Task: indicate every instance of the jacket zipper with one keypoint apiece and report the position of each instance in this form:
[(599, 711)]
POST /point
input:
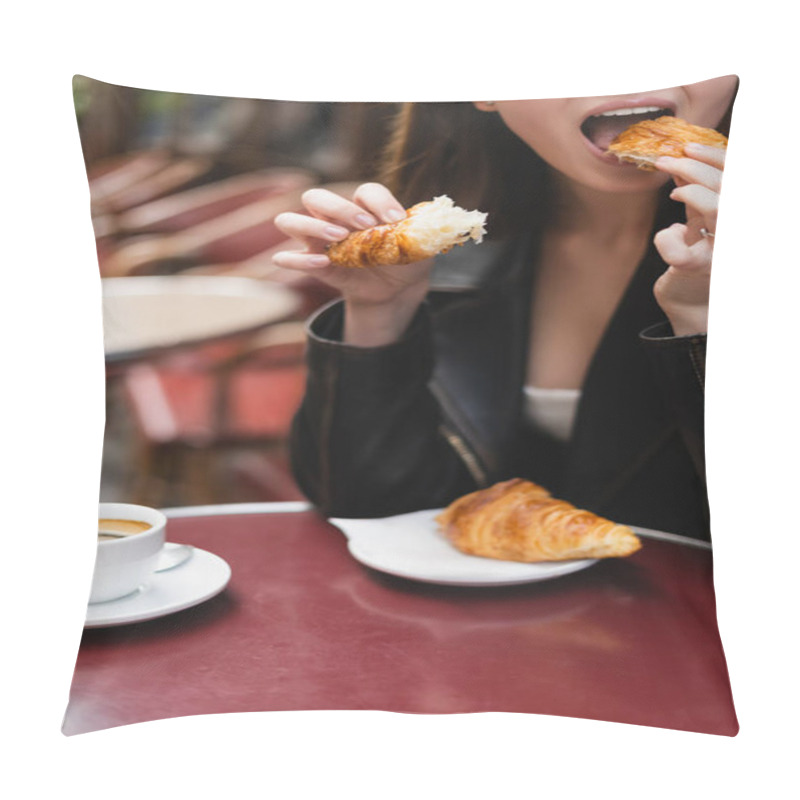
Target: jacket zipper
[(466, 455), (456, 440)]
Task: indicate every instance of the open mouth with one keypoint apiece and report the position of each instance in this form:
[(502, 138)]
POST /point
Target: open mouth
[(602, 129)]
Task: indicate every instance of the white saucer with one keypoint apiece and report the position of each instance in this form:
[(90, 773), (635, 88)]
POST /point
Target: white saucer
[(198, 579), (411, 546)]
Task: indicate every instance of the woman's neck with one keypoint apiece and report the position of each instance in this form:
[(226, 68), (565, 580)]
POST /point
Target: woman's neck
[(590, 250)]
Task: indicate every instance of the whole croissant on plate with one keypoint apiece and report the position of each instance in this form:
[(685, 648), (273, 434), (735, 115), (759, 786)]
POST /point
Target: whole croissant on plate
[(428, 229), (644, 142), (517, 520)]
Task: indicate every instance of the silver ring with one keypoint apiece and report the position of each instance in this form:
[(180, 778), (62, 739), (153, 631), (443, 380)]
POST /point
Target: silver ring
[(706, 234)]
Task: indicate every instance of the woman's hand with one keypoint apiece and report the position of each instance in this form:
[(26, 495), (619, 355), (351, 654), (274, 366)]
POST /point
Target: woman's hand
[(682, 291), (379, 301)]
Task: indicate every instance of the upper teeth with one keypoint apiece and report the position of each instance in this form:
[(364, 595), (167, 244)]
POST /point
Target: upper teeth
[(621, 112)]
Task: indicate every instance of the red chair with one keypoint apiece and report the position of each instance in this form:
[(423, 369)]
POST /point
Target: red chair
[(118, 185), (191, 207), (175, 174), (199, 427), (226, 239), (116, 173)]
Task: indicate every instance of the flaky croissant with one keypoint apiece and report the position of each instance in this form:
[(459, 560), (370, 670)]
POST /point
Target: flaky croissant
[(644, 142), (517, 520), (428, 229)]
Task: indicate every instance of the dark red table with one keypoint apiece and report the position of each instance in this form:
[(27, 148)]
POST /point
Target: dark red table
[(302, 625)]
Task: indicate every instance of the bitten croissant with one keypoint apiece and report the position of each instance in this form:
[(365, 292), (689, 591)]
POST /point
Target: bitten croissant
[(644, 142), (428, 229), (517, 520)]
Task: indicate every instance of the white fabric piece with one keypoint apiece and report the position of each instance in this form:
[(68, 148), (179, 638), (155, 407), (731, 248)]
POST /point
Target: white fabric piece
[(552, 410)]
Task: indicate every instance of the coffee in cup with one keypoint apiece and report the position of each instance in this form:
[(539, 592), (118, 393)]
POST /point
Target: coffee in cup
[(129, 542), (116, 528)]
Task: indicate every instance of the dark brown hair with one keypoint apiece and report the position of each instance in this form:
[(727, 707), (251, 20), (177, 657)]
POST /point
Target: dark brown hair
[(469, 155)]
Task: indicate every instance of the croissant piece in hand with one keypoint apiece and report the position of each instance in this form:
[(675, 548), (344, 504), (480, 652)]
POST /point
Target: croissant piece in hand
[(428, 229), (644, 142), (517, 520)]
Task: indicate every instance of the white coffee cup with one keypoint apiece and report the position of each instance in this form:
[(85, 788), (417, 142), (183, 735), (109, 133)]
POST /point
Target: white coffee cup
[(124, 565)]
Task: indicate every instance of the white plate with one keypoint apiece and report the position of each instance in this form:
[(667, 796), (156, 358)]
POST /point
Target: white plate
[(411, 546), (198, 579)]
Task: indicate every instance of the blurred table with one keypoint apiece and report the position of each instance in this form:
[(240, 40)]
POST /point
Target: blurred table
[(146, 317), (302, 625)]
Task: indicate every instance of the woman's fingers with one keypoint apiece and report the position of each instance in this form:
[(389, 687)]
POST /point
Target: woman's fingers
[(316, 232), (714, 156), (682, 291), (380, 201), (690, 171), (332, 207), (372, 204), (698, 179), (700, 200), (300, 260), (679, 251)]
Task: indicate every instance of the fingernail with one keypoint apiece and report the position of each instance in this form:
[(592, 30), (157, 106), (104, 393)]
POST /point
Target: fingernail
[(366, 220), (335, 232), (319, 261), (395, 215)]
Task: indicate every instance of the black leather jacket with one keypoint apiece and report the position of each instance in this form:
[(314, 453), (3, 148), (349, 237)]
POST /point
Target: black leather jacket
[(417, 423)]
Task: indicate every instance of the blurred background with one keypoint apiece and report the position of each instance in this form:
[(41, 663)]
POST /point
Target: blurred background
[(203, 334)]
